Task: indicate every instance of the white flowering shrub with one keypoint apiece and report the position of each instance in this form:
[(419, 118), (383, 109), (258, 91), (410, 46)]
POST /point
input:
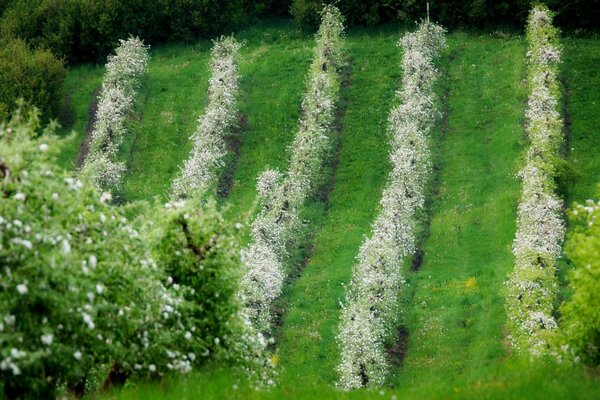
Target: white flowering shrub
[(580, 314), (532, 287), (367, 317), (77, 282), (282, 196), (121, 80), (82, 289), (202, 169)]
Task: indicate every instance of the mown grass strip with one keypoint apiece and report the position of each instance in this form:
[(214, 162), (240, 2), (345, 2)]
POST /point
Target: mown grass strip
[(308, 351), (456, 315)]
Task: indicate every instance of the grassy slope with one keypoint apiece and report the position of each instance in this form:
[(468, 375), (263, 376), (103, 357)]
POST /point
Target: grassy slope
[(455, 321), (456, 312), (308, 351), (581, 59), (274, 65), (79, 87), (169, 104)]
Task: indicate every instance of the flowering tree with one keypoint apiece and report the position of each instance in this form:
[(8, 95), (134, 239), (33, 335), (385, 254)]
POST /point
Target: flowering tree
[(367, 316), (202, 169), (78, 286), (82, 288), (123, 72), (532, 286), (283, 195)]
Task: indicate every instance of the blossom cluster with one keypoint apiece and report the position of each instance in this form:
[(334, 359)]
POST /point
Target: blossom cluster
[(121, 80), (201, 170), (367, 316), (532, 287), (283, 195)]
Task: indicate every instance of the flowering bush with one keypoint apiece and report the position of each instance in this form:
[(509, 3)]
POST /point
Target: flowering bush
[(199, 253), (81, 289), (580, 314), (275, 228), (367, 317), (123, 72), (532, 286), (201, 170), (77, 279)]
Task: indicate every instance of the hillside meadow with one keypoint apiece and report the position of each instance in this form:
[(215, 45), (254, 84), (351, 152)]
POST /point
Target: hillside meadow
[(452, 341)]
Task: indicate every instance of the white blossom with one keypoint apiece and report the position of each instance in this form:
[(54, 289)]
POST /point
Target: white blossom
[(87, 319), (47, 339), (22, 289), (283, 195)]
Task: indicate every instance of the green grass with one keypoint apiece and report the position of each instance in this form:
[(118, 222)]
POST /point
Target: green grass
[(79, 88), (274, 65), (169, 104), (454, 306), (308, 351), (455, 302), (516, 381), (580, 70)]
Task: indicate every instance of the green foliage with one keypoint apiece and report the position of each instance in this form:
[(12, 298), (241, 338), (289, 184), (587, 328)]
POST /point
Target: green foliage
[(80, 291), (87, 30), (580, 321), (305, 13), (33, 75), (452, 13), (69, 262), (199, 251)]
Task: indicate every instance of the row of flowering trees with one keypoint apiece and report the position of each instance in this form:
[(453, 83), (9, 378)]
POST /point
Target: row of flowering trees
[(532, 287), (282, 196), (367, 319), (121, 80), (201, 170)]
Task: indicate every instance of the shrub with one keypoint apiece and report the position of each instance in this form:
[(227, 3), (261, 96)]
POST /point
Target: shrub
[(83, 289), (78, 285), (33, 75), (452, 13), (198, 251), (580, 314), (87, 30)]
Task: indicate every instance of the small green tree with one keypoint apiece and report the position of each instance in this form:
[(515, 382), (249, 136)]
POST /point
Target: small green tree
[(33, 75), (580, 322)]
